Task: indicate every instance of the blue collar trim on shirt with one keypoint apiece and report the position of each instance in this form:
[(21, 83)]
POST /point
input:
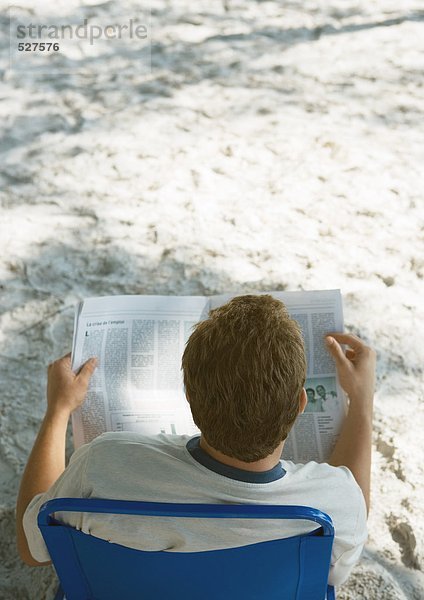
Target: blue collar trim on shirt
[(193, 446)]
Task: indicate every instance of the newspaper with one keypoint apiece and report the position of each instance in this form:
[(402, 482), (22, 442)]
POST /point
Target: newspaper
[(138, 385)]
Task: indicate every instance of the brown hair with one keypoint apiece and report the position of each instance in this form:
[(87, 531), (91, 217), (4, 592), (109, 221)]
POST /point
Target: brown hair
[(244, 368)]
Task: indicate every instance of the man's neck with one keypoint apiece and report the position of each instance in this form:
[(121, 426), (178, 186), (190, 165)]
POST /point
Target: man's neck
[(264, 464)]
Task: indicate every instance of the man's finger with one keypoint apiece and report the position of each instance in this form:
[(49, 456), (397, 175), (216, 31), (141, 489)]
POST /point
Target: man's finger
[(87, 369), (65, 362), (348, 338), (335, 349)]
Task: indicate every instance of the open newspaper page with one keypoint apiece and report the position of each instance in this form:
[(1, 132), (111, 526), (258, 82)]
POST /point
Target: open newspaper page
[(139, 341), (316, 431)]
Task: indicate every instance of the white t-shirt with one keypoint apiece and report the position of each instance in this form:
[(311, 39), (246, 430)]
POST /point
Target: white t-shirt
[(173, 468)]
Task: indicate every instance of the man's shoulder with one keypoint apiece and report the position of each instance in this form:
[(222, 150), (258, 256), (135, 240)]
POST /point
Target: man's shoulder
[(333, 490), (323, 472), (130, 437), (122, 460), (116, 444)]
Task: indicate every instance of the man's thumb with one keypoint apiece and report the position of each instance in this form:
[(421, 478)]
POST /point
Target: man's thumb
[(87, 369), (334, 348)]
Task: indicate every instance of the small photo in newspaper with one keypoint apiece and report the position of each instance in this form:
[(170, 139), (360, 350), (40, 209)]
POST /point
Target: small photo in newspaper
[(322, 395)]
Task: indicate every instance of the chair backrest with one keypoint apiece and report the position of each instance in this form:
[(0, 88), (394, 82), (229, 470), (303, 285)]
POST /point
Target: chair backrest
[(294, 568)]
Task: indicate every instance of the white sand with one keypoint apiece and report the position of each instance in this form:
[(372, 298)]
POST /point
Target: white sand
[(273, 146)]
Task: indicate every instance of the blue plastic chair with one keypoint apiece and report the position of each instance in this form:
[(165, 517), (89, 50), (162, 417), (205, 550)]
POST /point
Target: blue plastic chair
[(294, 568)]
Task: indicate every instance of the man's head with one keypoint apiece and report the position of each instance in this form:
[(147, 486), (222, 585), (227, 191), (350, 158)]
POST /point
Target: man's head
[(244, 370), (310, 393), (321, 391)]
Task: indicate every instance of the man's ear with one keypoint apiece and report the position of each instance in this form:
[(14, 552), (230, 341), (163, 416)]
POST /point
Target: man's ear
[(303, 401)]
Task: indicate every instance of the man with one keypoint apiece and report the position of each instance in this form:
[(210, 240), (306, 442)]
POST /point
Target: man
[(313, 405), (326, 398), (244, 370)]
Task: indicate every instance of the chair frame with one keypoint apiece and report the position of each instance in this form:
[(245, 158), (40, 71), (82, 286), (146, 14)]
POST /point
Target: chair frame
[(52, 529)]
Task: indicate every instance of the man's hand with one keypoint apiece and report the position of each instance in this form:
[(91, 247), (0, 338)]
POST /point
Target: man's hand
[(65, 390), (356, 368)]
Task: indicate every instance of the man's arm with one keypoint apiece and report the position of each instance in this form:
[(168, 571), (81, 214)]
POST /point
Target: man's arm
[(65, 392), (356, 371)]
